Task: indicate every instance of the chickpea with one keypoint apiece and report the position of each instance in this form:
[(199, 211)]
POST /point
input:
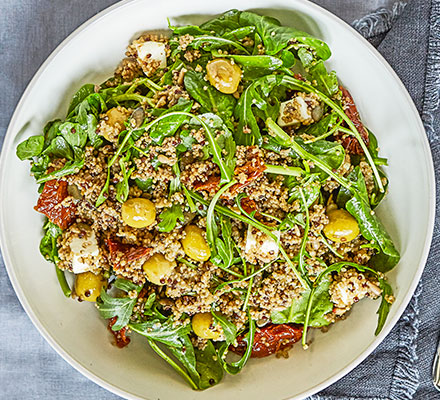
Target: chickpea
[(194, 244), (88, 286), (138, 213), (158, 268), (342, 226), (224, 75), (203, 326)]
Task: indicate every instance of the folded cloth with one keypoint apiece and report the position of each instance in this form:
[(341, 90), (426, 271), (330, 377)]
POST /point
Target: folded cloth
[(407, 33)]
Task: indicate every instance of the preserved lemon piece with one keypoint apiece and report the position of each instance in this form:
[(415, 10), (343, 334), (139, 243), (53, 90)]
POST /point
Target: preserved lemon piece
[(204, 328), (342, 226), (224, 75), (194, 244), (138, 213), (158, 268), (88, 286)]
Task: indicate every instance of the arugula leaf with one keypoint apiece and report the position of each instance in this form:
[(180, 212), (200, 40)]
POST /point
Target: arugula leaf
[(217, 147), (208, 43), (262, 62), (235, 367), (320, 128), (58, 147), (209, 97), (71, 167), (144, 185), (164, 332), (373, 230), (225, 246), (229, 329), (40, 166), (31, 147), (186, 141), (248, 131), (358, 180), (230, 20), (291, 220), (182, 372), (123, 188), (169, 218), (296, 313), (48, 244), (80, 95), (104, 191), (122, 308), (208, 366), (311, 188), (175, 184), (276, 37), (330, 153), (50, 131), (168, 126), (74, 134), (317, 73), (384, 308), (186, 355), (92, 123)]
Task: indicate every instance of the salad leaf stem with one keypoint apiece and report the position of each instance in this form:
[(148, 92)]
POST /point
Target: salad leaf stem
[(329, 246), (302, 250), (133, 96), (337, 127), (186, 262), (210, 221), (170, 361), (63, 282), (283, 170)]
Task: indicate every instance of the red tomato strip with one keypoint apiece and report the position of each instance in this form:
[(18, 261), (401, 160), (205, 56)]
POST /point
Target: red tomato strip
[(270, 339), (349, 142), (49, 204), (121, 340)]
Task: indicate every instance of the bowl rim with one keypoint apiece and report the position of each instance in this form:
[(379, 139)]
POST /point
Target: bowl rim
[(336, 376)]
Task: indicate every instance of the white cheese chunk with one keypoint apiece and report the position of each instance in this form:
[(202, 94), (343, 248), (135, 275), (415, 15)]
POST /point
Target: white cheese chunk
[(152, 51), (261, 246), (294, 112), (85, 251)]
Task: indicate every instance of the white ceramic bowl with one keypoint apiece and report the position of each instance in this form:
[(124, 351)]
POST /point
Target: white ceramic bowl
[(76, 331)]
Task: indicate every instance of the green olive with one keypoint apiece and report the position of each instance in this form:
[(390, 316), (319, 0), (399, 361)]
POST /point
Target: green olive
[(342, 226), (224, 75), (115, 119), (88, 286), (203, 327), (158, 268), (138, 213), (194, 244)]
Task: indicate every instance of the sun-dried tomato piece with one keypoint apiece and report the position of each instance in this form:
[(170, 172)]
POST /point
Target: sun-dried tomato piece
[(246, 174), (128, 252), (349, 142), (121, 340), (270, 339), (250, 171), (50, 204), (211, 184)]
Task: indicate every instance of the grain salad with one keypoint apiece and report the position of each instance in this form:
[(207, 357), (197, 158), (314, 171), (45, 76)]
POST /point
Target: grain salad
[(216, 195)]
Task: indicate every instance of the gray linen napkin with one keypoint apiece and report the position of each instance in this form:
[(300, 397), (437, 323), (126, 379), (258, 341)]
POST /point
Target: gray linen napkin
[(408, 35)]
